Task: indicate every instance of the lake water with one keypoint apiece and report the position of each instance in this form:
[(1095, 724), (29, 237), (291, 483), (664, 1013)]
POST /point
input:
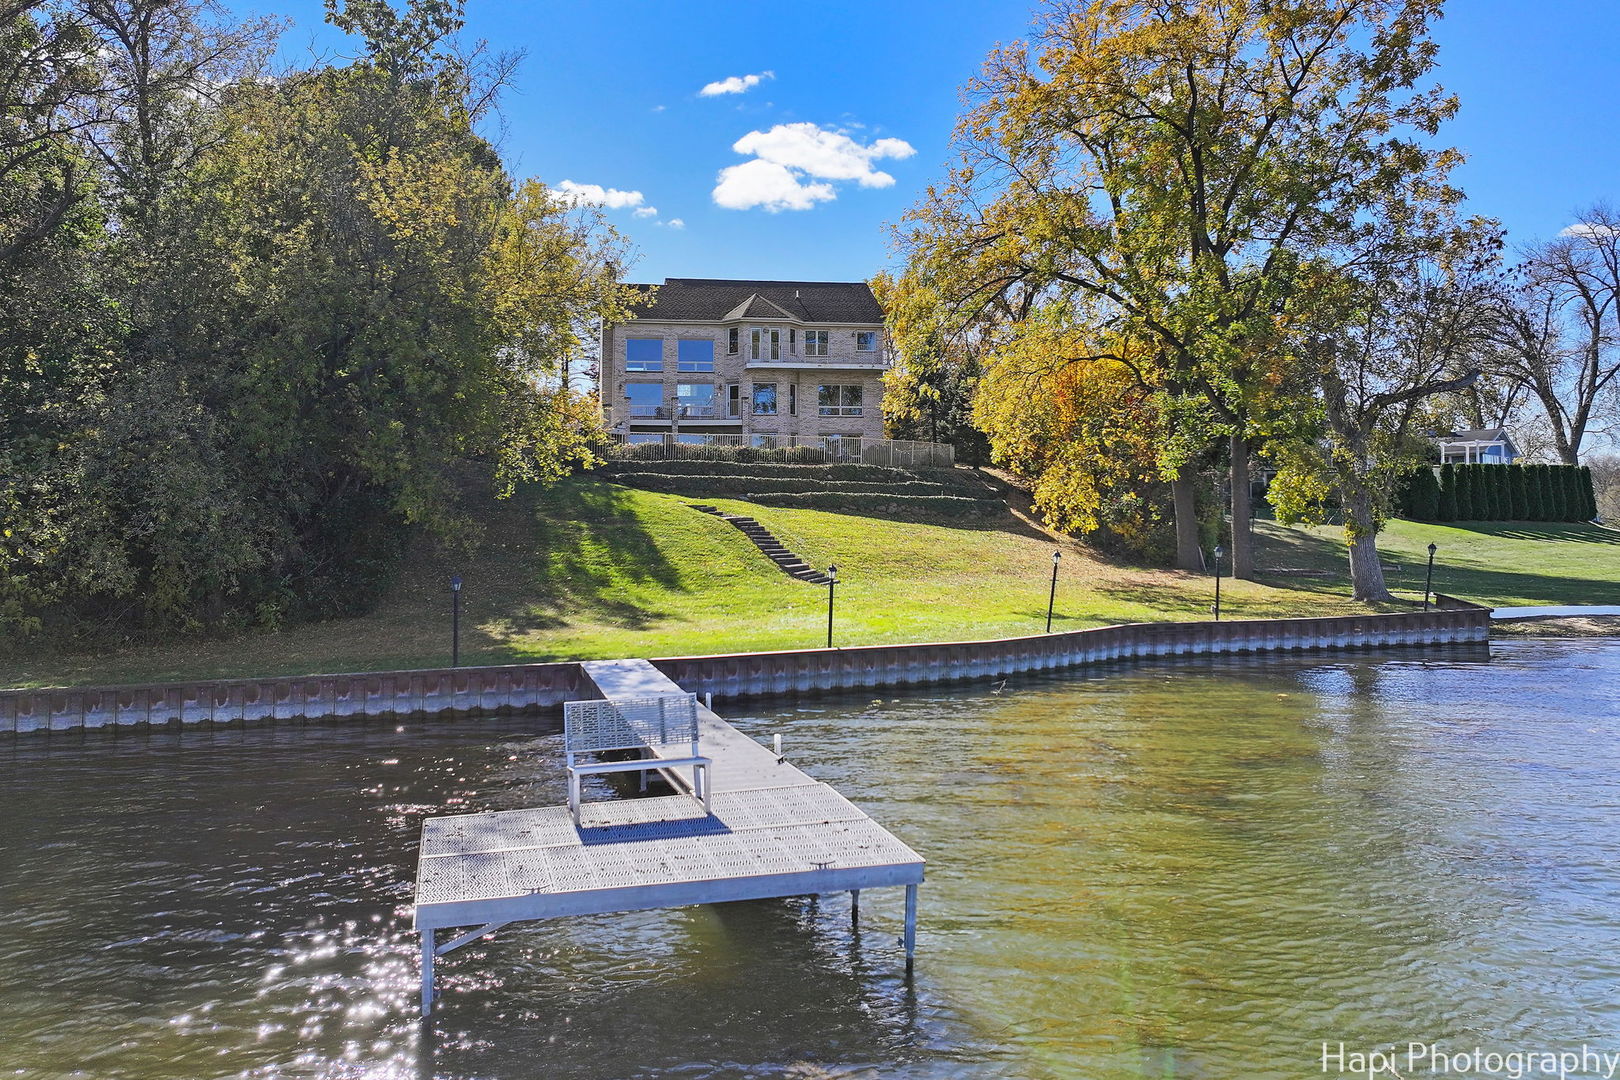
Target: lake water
[(1179, 869)]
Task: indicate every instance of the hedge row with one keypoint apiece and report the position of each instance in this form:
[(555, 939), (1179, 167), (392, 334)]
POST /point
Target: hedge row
[(732, 468), (685, 452), (1499, 493), (744, 486), (877, 505)]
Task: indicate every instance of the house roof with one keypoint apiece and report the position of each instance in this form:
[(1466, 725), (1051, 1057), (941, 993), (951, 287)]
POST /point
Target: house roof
[(1481, 435), (724, 299)]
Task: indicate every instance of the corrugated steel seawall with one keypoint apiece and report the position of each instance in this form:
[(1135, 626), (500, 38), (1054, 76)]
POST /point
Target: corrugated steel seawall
[(523, 687)]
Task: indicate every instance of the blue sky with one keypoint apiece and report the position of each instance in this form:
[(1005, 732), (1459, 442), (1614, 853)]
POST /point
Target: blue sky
[(610, 96)]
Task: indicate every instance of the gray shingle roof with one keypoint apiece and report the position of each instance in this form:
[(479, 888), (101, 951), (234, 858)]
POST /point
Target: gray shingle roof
[(717, 299)]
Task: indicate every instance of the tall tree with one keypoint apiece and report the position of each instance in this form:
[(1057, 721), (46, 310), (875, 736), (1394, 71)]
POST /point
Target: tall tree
[(1558, 330), (1175, 163), (1382, 340)]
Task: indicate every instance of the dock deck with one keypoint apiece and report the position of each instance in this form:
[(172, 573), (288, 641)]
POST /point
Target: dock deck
[(773, 831)]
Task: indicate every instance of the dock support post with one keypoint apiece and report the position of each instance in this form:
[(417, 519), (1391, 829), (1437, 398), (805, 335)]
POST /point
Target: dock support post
[(854, 907), (427, 972), (911, 924)]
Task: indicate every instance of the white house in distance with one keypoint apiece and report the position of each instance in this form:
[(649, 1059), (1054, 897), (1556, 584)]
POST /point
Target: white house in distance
[(775, 363), (1478, 446)]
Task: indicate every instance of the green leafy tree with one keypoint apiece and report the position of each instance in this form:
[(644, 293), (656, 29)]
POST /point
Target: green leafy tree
[(1171, 167)]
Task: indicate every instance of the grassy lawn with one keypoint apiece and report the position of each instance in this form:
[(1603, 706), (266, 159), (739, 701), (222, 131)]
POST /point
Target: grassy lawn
[(1499, 563), (588, 569)]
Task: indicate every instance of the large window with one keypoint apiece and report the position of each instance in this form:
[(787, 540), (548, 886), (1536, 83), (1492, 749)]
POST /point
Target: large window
[(839, 400), (644, 438), (765, 343), (866, 341), (646, 398), (644, 354), (695, 399), (694, 355), (764, 399), (815, 343)]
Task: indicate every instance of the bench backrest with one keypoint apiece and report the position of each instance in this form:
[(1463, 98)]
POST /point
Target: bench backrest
[(630, 723)]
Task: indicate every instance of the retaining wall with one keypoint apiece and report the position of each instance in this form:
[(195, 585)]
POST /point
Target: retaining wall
[(521, 687), (746, 674)]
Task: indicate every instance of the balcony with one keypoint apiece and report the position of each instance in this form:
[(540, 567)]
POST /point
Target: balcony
[(685, 414), (838, 410), (859, 362)]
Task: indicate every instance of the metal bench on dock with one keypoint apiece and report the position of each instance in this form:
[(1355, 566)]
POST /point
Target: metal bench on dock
[(762, 829), (646, 725)]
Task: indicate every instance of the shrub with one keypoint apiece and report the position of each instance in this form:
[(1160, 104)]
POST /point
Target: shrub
[(1518, 494), (1467, 510), (1589, 509), (1535, 496), (1446, 507), (1419, 497), (775, 469), (876, 505)]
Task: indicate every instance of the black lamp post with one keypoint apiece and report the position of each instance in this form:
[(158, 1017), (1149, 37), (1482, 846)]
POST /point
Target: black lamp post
[(1051, 601), (1428, 578), (832, 584), (1220, 553), (455, 621)]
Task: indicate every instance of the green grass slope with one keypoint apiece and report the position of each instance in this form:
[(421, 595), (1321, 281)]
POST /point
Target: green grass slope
[(590, 569)]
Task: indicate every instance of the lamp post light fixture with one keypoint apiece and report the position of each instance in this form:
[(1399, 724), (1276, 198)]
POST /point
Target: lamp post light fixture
[(832, 584), (1220, 553), (455, 621), (1428, 578), (1051, 601)]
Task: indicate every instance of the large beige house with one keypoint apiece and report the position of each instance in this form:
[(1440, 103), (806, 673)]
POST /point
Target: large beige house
[(773, 363)]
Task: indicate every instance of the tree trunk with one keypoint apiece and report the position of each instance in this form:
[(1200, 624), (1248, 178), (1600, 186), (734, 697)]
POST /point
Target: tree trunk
[(1184, 492), (1366, 571), (1242, 512)]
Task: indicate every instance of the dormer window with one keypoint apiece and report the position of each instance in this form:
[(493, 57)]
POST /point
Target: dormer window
[(866, 341)]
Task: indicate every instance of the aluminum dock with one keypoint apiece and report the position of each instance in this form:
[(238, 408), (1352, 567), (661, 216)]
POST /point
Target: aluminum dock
[(769, 830)]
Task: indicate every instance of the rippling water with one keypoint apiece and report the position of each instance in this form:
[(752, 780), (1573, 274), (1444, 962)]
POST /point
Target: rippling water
[(1168, 870)]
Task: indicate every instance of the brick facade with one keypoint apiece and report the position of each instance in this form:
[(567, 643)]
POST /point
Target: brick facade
[(796, 375)]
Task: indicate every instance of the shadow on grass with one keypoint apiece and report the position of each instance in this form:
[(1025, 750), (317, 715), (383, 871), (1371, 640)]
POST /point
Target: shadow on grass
[(1280, 548), (588, 545)]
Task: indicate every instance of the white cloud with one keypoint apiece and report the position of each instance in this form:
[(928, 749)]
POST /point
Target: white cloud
[(659, 108), (1588, 231), (787, 153), (675, 223), (597, 195), (646, 211), (768, 185), (736, 84)]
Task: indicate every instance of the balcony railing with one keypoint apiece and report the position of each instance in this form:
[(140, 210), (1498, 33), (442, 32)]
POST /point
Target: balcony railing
[(839, 410), (678, 412)]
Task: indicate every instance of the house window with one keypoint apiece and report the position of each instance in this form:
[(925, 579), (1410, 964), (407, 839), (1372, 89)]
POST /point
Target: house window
[(765, 343), (764, 442), (646, 399), (695, 399), (793, 340), (734, 400), (694, 355), (866, 341), (644, 354), (839, 400), (765, 399), (815, 343), (793, 399), (642, 438), (731, 340)]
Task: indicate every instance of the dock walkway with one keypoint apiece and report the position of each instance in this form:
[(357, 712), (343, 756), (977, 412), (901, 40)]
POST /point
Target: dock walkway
[(772, 831)]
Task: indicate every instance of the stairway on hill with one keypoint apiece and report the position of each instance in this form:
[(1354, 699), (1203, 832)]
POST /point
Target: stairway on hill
[(789, 563)]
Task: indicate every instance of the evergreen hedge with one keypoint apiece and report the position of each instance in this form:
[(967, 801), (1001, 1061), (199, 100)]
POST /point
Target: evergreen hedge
[(1498, 493), (1448, 494)]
